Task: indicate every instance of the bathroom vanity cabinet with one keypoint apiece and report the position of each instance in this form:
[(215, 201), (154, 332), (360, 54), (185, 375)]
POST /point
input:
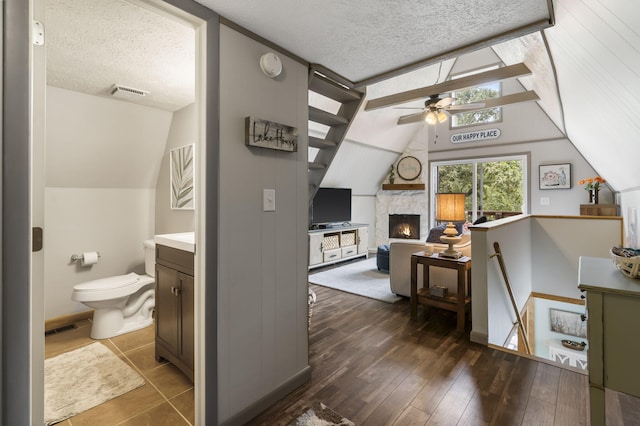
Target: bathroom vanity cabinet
[(175, 307)]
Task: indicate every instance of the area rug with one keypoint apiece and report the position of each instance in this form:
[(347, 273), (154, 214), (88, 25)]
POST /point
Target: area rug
[(81, 379), (321, 415), (359, 277)]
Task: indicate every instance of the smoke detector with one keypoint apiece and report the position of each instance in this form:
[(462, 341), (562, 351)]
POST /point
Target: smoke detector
[(124, 92), (270, 64)]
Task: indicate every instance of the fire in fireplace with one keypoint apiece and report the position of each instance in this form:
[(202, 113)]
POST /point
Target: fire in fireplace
[(405, 226)]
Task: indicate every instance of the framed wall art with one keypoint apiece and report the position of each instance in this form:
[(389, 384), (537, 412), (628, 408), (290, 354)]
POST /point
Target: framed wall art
[(566, 322), (555, 176), (181, 163)]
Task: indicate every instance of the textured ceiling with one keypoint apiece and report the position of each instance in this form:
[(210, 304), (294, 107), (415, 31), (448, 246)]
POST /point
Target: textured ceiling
[(363, 39), (94, 44)]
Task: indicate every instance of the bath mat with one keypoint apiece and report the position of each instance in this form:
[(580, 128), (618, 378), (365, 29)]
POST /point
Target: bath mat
[(81, 379), (321, 415)]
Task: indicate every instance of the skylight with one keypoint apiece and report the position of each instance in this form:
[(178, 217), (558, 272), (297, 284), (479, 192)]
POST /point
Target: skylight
[(476, 94)]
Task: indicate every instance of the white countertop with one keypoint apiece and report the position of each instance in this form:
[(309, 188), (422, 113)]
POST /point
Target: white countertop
[(181, 241)]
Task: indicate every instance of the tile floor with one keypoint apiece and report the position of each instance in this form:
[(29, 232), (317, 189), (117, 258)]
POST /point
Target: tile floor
[(165, 399)]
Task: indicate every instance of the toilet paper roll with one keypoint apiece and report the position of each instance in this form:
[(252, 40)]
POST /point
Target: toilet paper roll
[(89, 258)]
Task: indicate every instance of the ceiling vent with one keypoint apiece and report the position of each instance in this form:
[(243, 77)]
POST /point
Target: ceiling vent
[(124, 92)]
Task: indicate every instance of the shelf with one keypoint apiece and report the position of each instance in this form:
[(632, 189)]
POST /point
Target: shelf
[(449, 302), (403, 186), (598, 209)]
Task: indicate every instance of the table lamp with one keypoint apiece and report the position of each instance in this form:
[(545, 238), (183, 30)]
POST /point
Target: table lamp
[(450, 208)]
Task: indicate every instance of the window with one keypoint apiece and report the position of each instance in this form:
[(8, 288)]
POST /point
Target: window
[(476, 94), (495, 187)]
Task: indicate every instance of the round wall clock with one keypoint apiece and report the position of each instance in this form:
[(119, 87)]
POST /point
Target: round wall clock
[(409, 168)]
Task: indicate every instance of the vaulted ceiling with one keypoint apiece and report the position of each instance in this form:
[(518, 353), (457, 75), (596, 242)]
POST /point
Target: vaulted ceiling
[(584, 54), (589, 60)]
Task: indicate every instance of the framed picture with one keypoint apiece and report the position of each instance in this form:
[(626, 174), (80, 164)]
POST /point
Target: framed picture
[(555, 176), (566, 322), (182, 177)]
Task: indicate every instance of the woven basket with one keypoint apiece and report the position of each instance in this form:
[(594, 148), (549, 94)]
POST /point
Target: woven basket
[(629, 266), (331, 242), (348, 239)]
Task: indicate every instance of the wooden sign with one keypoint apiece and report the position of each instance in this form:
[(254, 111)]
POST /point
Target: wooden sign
[(267, 134)]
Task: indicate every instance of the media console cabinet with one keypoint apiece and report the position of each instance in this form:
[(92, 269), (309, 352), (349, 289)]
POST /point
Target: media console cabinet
[(337, 244)]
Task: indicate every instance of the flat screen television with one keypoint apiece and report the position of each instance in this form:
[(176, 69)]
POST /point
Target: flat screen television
[(331, 205)]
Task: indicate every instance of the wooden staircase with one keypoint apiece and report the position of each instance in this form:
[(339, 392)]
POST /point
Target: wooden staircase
[(326, 83)]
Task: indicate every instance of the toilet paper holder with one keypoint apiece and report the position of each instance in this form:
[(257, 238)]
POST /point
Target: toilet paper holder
[(79, 257)]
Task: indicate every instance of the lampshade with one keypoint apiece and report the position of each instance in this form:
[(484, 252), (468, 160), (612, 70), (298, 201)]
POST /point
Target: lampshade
[(431, 117), (450, 207), (442, 116)]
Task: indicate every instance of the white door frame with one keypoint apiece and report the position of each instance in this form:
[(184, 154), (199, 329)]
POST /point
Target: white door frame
[(21, 310), (17, 356)]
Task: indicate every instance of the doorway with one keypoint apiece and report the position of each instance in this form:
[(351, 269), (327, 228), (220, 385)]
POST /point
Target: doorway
[(23, 304)]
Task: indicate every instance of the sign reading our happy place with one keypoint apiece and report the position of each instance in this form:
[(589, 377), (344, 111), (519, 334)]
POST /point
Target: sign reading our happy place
[(478, 135)]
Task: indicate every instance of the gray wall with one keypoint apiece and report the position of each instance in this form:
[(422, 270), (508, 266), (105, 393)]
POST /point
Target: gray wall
[(102, 163), (262, 319), (183, 132), (630, 209), (541, 255)]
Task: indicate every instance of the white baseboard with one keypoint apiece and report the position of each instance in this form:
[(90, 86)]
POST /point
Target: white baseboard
[(478, 337)]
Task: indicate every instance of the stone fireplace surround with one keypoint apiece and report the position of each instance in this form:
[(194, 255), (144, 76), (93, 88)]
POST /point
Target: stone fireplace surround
[(400, 202)]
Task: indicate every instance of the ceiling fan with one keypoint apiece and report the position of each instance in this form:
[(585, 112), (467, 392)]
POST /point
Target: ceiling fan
[(514, 98), (435, 106)]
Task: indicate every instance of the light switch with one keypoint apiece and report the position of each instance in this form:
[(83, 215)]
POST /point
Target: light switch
[(544, 201), (269, 200)]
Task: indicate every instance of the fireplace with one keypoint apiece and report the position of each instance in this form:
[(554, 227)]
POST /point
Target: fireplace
[(406, 226)]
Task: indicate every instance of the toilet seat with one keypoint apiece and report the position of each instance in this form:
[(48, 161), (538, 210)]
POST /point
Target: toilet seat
[(110, 288)]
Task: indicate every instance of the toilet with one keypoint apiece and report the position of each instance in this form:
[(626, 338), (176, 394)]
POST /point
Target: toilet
[(122, 303)]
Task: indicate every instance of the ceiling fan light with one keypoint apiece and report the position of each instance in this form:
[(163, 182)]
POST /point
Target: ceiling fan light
[(431, 118), (442, 117)]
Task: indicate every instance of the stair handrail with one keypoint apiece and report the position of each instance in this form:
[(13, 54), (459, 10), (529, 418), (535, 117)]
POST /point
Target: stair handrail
[(503, 269)]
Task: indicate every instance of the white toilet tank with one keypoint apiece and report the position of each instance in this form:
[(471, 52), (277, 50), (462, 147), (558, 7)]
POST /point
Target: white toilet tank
[(150, 258)]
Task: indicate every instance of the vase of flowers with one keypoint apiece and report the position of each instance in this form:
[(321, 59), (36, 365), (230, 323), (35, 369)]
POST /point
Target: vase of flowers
[(592, 186)]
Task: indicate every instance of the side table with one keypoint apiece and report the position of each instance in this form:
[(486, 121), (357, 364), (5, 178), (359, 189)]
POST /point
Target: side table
[(459, 302)]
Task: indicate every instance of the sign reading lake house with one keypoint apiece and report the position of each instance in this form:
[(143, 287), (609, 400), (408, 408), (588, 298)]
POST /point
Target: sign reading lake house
[(478, 135), (267, 134)]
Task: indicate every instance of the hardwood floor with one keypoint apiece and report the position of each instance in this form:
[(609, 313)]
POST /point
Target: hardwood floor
[(374, 366)]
